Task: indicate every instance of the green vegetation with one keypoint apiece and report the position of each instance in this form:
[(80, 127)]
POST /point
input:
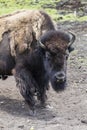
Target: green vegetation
[(8, 6)]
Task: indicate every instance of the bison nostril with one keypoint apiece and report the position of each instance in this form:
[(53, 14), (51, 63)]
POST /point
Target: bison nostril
[(60, 76)]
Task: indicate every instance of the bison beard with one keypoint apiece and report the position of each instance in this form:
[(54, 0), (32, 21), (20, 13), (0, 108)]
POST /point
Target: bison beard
[(27, 85), (31, 77)]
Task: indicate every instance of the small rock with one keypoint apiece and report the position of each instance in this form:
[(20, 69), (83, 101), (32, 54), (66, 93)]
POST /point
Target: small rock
[(21, 126), (1, 127), (49, 107), (85, 35), (2, 102), (79, 67), (84, 121)]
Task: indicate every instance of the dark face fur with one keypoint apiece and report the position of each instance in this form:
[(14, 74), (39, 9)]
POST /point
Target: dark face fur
[(55, 65), (55, 57)]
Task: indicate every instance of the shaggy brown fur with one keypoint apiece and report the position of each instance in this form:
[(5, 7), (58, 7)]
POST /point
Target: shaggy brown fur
[(22, 25), (56, 40)]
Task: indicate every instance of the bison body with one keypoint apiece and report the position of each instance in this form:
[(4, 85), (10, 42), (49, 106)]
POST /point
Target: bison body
[(46, 63), (44, 58)]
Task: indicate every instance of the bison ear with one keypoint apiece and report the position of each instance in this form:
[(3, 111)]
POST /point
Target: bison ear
[(72, 39)]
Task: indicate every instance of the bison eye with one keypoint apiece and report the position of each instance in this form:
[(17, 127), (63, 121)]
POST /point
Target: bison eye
[(48, 55)]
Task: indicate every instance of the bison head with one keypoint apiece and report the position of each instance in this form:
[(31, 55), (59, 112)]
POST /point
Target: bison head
[(56, 47)]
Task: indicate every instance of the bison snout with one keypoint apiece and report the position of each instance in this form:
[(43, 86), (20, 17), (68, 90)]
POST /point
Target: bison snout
[(60, 77)]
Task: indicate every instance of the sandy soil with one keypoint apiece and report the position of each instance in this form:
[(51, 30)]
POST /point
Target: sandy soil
[(66, 110)]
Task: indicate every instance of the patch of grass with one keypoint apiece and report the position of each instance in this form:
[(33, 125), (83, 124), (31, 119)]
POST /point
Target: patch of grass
[(68, 17), (71, 17), (8, 6), (84, 18)]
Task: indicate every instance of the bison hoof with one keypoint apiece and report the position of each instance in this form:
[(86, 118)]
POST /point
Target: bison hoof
[(41, 105), (4, 77), (32, 112)]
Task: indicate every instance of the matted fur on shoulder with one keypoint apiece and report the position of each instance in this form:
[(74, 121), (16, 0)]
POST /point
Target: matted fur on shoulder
[(22, 25)]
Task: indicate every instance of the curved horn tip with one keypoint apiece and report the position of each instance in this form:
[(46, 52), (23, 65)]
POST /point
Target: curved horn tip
[(41, 44), (72, 38)]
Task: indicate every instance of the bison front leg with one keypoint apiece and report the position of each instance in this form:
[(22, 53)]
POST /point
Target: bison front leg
[(43, 86), (41, 95), (26, 85)]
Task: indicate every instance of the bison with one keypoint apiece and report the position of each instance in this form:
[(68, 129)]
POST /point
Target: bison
[(43, 60), (46, 63)]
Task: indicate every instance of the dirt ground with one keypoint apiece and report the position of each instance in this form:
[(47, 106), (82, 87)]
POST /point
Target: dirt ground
[(66, 110)]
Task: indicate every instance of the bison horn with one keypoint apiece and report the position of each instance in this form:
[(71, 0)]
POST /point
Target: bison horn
[(72, 38), (41, 44)]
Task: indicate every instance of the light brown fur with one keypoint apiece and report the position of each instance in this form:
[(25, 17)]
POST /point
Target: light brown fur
[(21, 26)]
